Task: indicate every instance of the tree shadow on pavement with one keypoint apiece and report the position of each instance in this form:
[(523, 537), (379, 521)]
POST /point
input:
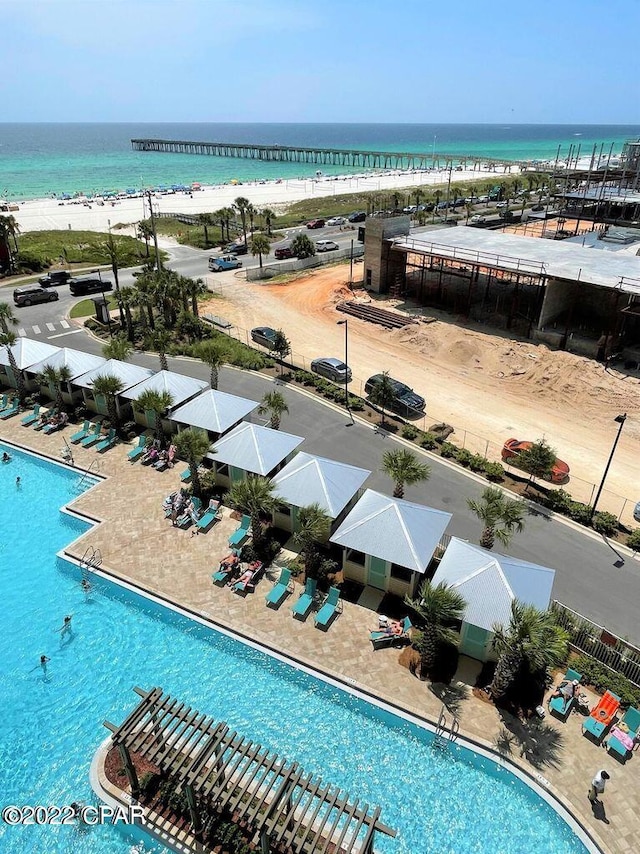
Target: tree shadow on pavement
[(452, 696), (539, 743)]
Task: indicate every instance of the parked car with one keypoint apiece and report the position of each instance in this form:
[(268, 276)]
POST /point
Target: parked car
[(264, 335), (336, 220), (326, 245), (357, 216), (283, 252), (636, 512), (512, 448), (405, 401), (537, 208), (33, 294), (56, 277), (502, 204), (478, 218), (224, 262), (81, 287), (235, 249), (315, 223), (332, 369)]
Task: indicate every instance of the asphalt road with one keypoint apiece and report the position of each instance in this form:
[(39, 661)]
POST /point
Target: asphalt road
[(591, 576)]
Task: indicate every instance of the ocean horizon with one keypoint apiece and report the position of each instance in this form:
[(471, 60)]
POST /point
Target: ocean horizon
[(41, 159)]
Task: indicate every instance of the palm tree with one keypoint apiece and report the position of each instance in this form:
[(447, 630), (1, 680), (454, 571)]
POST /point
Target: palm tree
[(212, 352), (117, 348), (6, 316), (145, 232), (532, 638), (109, 387), (229, 214), (382, 393), (9, 228), (313, 528), (403, 467), (268, 215), (116, 255), (159, 339), (192, 445), (260, 246), (7, 340), (54, 378), (437, 608), (274, 403), (251, 213), (205, 220), (126, 299), (241, 205), (145, 291), (254, 496), (501, 516), (195, 288), (156, 403)]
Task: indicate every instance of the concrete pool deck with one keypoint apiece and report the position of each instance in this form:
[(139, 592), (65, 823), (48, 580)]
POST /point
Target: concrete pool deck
[(140, 546)]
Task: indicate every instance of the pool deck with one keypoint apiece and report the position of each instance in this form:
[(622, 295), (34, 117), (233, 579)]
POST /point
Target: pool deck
[(140, 546)]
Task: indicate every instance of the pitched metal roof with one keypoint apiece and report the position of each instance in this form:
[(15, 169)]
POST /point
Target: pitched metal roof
[(180, 388), (393, 529), (77, 362), (129, 375), (316, 480), (254, 448), (490, 582), (214, 410), (27, 352)]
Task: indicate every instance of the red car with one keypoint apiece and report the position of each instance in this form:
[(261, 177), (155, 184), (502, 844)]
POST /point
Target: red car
[(283, 252), (315, 223), (513, 447)]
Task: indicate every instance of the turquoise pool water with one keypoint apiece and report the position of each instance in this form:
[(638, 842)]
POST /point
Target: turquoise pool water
[(440, 803)]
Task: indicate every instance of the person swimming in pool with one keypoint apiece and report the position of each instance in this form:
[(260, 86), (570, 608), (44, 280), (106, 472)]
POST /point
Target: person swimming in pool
[(5, 457)]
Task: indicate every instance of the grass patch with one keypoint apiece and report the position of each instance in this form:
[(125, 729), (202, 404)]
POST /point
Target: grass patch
[(189, 235), (46, 248), (85, 307)]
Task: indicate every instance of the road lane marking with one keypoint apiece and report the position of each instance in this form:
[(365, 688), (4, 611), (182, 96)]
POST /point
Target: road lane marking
[(62, 334), (51, 327), (22, 333), (65, 325), (36, 330)]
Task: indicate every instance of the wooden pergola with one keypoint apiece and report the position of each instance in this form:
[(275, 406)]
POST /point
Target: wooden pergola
[(287, 807)]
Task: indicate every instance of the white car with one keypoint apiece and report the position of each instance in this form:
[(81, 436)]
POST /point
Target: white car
[(326, 245), (336, 220), (502, 204), (478, 218)]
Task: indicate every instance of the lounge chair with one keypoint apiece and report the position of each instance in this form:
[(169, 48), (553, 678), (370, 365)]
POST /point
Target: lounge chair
[(561, 706), (136, 452), (390, 637), (622, 742), (211, 515), (59, 422), (107, 443), (249, 578), (280, 589), (185, 476), (190, 515), (32, 416), (241, 534), (11, 410), (303, 603), (330, 607), (83, 433), (3, 401), (93, 436), (228, 566), (601, 715)]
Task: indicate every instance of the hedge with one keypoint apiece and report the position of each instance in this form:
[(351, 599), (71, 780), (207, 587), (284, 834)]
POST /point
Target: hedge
[(596, 674)]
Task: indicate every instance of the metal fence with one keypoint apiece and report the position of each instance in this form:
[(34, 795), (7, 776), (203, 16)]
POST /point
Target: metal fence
[(594, 640), (269, 271)]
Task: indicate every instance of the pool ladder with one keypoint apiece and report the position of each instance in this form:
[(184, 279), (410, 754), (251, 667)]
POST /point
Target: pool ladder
[(91, 559), (87, 473), (446, 733)]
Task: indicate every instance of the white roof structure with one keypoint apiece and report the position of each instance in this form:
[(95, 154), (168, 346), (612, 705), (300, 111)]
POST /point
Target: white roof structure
[(214, 410), (316, 480), (77, 362), (179, 387), (393, 529), (254, 448), (552, 258), (27, 352), (490, 582), (128, 375)]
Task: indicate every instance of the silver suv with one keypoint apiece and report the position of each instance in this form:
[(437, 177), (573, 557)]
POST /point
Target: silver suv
[(33, 294)]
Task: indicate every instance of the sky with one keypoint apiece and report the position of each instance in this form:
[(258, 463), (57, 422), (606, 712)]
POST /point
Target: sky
[(567, 62)]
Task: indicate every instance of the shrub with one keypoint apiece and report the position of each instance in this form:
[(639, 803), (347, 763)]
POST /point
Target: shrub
[(596, 674), (428, 441), (463, 456), (149, 783), (477, 462), (579, 512), (29, 262), (356, 404), (409, 431), (130, 427), (448, 451), (633, 540), (493, 471), (605, 523), (557, 499)]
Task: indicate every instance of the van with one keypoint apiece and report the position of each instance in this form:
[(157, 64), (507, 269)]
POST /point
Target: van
[(81, 287)]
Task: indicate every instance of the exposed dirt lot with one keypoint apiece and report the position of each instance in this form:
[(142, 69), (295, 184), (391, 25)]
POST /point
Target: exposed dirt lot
[(488, 386)]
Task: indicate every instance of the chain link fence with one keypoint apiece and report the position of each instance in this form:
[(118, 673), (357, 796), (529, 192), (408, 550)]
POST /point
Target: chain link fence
[(269, 271)]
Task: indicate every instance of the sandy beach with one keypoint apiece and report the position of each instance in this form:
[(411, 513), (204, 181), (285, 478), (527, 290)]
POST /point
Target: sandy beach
[(100, 215)]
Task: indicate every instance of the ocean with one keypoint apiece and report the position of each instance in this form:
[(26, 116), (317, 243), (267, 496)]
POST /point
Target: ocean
[(38, 160)]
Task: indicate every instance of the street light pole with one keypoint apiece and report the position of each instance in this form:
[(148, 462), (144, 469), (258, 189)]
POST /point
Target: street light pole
[(350, 269), (619, 419), (345, 323)]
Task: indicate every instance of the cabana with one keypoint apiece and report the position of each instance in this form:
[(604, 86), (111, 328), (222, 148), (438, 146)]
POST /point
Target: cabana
[(180, 388), (129, 375), (489, 583), (251, 449), (307, 479), (26, 353), (213, 411), (76, 361), (388, 543)]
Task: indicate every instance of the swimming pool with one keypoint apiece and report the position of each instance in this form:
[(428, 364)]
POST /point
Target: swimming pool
[(440, 803)]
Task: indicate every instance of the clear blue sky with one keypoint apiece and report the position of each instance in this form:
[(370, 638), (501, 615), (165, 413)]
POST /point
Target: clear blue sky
[(575, 61)]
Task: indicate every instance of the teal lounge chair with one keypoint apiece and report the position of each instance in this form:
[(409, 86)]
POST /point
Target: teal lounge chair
[(560, 706), (331, 606), (632, 720), (185, 477), (249, 578), (241, 534), (10, 411), (135, 453), (602, 715), (107, 443), (226, 571), (381, 637), (210, 516), (3, 401), (188, 517), (83, 433), (93, 436), (304, 601), (279, 590), (32, 416)]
